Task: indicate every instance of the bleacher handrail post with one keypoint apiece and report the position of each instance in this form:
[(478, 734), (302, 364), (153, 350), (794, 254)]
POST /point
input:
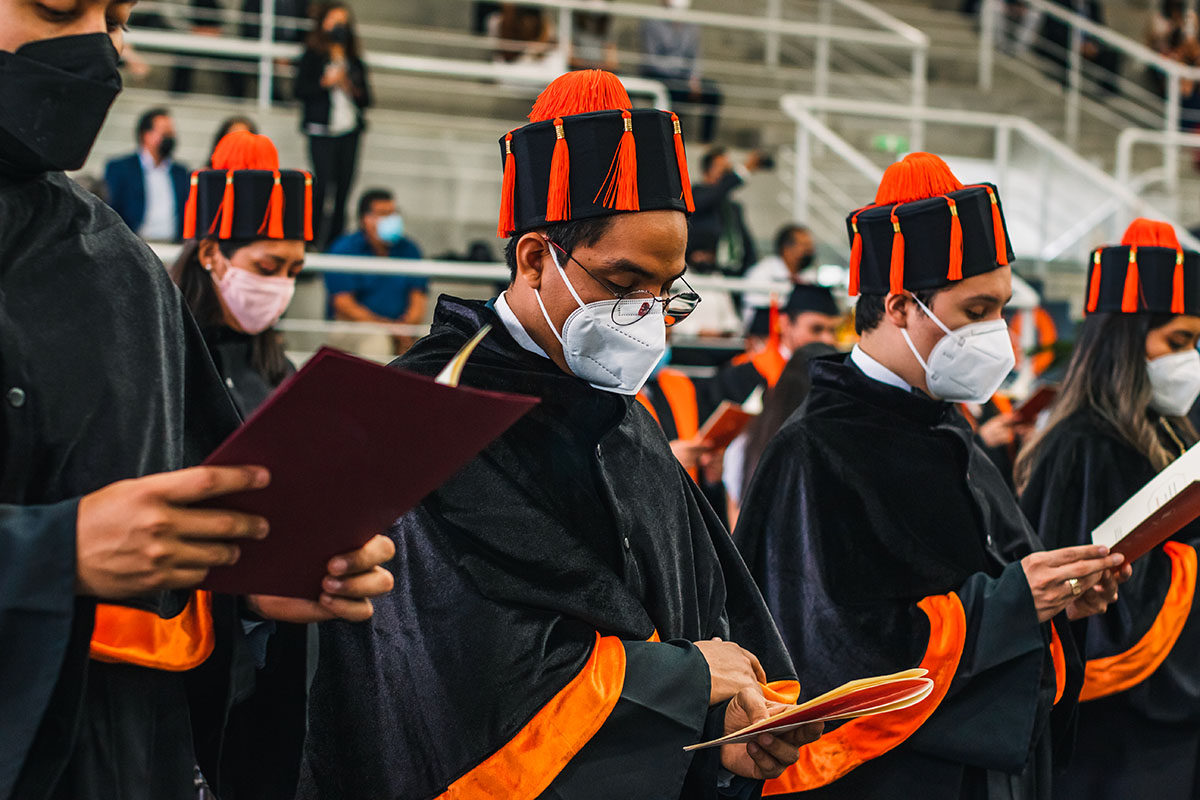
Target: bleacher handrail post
[(266, 63)]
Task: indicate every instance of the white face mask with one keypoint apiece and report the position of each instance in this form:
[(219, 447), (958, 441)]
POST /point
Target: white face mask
[(255, 301), (1175, 382), (968, 364), (612, 357)]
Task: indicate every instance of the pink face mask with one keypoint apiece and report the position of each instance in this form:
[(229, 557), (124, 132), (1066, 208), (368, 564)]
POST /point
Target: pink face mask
[(255, 301)]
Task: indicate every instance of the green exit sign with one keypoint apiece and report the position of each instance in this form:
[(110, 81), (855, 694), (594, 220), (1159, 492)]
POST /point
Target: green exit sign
[(890, 143)]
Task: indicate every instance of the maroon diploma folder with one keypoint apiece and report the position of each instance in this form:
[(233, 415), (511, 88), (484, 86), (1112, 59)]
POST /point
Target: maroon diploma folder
[(351, 446)]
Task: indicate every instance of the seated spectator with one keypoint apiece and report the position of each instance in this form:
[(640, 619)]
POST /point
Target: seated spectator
[(148, 189), (794, 252), (593, 40), (377, 298), (717, 315), (671, 54), (525, 33), (717, 231)]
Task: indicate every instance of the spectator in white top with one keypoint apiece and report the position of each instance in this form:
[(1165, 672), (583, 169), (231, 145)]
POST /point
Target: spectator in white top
[(148, 189), (795, 249), (671, 54)]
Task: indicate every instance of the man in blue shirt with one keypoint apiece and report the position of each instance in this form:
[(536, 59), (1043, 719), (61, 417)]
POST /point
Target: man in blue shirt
[(377, 298)]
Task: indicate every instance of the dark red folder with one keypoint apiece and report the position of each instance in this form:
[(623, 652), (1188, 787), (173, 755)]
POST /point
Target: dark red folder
[(351, 446)]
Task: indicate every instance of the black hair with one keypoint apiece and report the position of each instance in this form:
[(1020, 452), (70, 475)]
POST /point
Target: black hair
[(267, 355), (224, 127), (785, 236), (709, 157), (320, 41), (145, 122), (567, 235), (868, 312), (369, 198)]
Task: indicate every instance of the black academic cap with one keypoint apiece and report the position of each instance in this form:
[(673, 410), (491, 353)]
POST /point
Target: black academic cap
[(1147, 273), (810, 297), (586, 153), (760, 323)]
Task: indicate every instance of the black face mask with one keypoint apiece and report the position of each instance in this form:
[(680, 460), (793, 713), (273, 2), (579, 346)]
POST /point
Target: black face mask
[(340, 34), (54, 96), (166, 147)]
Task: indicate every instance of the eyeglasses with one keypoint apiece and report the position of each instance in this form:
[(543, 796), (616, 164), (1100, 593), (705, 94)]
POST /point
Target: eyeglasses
[(632, 306)]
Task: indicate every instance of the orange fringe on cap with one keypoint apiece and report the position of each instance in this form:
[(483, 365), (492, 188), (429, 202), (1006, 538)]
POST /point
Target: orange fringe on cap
[(1177, 285), (189, 210), (955, 272), (508, 222), (897, 271), (558, 199), (273, 220), (1129, 298), (916, 177), (855, 255), (580, 92), (245, 150), (681, 159), (998, 229), (1144, 232), (620, 188), (308, 207), (1094, 287)]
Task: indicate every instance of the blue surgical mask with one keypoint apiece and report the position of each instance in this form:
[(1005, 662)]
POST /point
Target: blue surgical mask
[(391, 228)]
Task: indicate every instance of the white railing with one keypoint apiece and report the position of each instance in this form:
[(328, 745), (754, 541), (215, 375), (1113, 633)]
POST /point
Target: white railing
[(1133, 52), (1130, 138), (1099, 205)]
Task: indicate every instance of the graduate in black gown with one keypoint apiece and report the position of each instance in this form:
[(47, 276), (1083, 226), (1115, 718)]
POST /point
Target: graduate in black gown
[(105, 380), (1119, 419), (884, 539), (551, 634), (237, 284)]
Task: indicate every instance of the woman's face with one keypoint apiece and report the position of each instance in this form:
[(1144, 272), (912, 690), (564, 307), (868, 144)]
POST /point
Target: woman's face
[(271, 258), (1179, 335), (335, 17)]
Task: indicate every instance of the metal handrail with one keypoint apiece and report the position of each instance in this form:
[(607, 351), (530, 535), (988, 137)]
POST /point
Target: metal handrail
[(801, 108)]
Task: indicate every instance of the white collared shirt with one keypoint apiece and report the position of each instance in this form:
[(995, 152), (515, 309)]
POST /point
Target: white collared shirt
[(159, 224), (515, 328), (876, 371)]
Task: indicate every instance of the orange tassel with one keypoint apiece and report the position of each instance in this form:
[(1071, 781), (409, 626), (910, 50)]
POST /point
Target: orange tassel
[(773, 323), (273, 220), (897, 271), (998, 230), (681, 159), (1094, 287), (308, 207), (580, 92), (1129, 299), (855, 256), (508, 223), (225, 211), (558, 199), (189, 210), (621, 193), (956, 244), (1177, 285)]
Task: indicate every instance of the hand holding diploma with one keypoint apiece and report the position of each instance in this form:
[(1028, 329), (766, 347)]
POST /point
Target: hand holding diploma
[(770, 753), (1061, 579)]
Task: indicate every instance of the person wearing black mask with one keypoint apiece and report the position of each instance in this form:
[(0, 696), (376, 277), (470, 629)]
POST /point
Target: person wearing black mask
[(115, 673), (148, 188), (795, 250), (331, 82)]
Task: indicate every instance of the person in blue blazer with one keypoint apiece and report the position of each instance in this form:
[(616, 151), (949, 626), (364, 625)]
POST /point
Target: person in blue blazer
[(149, 189)]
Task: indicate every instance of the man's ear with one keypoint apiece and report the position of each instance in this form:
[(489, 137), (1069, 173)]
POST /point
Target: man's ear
[(896, 308), (531, 257)]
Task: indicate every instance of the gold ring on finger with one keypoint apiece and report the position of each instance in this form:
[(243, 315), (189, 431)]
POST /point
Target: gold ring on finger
[(1076, 588)]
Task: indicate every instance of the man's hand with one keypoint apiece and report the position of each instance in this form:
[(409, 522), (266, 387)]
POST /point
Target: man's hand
[(731, 668), (690, 452), (138, 536), (353, 579), (1096, 599), (997, 431), (1049, 574), (769, 754)]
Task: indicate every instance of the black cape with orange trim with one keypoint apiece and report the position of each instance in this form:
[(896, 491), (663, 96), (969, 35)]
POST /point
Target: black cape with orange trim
[(883, 539), (105, 377), (512, 660), (1139, 722)]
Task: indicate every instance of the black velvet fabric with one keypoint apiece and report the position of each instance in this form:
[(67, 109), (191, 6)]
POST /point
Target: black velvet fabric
[(869, 499), (577, 521), (251, 200), (114, 382), (1087, 471), (1156, 279)]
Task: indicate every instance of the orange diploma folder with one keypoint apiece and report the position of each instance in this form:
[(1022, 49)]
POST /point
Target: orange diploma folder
[(724, 425), (860, 698), (351, 446)]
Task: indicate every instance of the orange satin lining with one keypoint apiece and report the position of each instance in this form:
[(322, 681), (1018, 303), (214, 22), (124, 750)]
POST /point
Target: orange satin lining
[(680, 393), (1106, 676), (532, 759), (645, 401), (860, 740), (1060, 664), (782, 691), (769, 363), (132, 636)]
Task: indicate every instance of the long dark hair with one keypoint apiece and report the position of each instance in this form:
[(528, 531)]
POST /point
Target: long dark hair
[(1107, 378), (779, 403), (196, 284), (318, 38)]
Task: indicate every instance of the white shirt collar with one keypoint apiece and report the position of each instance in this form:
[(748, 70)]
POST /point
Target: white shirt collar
[(515, 328), (873, 369), (148, 161)]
